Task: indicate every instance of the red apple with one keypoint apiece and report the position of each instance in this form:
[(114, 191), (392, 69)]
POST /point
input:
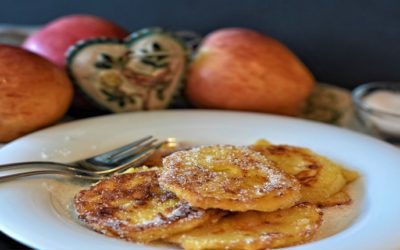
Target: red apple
[(34, 92), (242, 69), (53, 40)]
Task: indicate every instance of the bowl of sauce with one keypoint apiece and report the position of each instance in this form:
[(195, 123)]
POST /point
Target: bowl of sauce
[(377, 106)]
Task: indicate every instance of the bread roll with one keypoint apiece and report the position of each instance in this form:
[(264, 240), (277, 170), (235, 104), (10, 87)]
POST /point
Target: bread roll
[(241, 69), (34, 93)]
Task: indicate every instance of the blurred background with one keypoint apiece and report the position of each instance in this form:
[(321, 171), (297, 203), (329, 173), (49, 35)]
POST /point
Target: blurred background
[(342, 42)]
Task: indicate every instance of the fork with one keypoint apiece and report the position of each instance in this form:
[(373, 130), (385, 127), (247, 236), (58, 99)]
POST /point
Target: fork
[(96, 168)]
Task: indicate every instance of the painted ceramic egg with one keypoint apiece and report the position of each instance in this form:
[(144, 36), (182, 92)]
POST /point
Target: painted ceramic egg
[(142, 72)]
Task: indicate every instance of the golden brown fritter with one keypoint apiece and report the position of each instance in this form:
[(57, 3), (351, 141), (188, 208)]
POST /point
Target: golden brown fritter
[(230, 178), (133, 207), (254, 230), (340, 198), (156, 158), (320, 178)]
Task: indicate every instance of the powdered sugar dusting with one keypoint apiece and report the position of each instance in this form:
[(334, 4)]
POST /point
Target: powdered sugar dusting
[(225, 169)]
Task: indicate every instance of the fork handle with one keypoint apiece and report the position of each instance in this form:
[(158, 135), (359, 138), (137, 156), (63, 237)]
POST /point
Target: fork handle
[(32, 164), (48, 165), (35, 166), (27, 169), (10, 177)]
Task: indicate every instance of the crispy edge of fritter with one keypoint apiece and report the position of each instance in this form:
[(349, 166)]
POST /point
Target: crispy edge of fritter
[(310, 179), (338, 199), (265, 241), (275, 200), (101, 218)]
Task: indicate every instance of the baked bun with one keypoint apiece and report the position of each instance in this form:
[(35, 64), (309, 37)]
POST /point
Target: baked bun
[(241, 69), (34, 93)]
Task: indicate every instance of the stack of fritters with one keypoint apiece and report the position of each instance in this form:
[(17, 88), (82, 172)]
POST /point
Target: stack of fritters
[(219, 197)]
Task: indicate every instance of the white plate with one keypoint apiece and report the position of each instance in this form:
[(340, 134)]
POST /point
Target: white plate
[(34, 211)]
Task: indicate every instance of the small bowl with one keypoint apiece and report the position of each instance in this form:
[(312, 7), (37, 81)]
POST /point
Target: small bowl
[(376, 109)]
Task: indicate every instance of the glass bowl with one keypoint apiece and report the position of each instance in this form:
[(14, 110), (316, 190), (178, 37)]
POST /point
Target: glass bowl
[(377, 106)]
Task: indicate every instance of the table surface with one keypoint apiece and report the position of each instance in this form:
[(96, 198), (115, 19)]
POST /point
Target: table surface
[(6, 243)]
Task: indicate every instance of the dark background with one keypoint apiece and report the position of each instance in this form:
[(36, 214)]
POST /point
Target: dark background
[(342, 42)]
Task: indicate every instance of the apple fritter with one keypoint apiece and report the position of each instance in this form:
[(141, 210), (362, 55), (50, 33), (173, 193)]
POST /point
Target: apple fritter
[(230, 178), (156, 158), (134, 207), (340, 198), (254, 230), (320, 178), (349, 175)]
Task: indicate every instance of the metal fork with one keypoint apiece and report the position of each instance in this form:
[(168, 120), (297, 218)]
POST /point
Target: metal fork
[(94, 168)]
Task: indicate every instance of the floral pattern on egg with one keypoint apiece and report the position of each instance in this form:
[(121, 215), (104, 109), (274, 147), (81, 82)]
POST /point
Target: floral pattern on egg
[(144, 72)]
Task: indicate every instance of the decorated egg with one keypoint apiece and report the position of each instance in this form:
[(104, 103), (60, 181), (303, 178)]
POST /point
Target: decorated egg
[(142, 72)]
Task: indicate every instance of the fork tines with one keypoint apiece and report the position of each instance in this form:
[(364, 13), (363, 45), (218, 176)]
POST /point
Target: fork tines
[(129, 152)]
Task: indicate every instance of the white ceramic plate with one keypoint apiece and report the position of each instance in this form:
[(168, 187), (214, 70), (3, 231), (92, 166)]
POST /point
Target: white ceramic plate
[(37, 212)]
